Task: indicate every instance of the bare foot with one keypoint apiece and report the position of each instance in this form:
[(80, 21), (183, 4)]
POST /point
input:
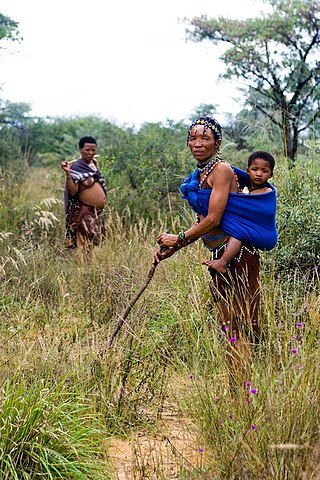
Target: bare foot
[(218, 265)]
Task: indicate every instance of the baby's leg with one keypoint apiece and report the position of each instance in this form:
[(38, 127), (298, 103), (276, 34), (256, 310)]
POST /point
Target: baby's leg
[(221, 264)]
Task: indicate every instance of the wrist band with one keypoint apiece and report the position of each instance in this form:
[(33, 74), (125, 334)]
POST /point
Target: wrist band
[(182, 241)]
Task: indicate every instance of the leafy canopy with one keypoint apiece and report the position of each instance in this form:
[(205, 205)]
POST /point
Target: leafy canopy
[(8, 28), (278, 56)]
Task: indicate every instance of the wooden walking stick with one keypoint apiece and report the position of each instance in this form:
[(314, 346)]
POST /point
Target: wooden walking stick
[(132, 302)]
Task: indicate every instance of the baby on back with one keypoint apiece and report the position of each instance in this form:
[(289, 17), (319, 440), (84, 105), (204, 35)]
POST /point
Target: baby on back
[(260, 169)]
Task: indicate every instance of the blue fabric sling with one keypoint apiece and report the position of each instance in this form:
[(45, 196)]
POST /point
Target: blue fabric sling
[(249, 218)]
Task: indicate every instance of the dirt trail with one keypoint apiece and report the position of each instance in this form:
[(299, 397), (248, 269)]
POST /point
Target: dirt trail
[(174, 448)]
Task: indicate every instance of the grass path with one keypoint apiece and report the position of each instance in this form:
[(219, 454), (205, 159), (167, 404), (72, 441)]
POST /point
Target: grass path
[(173, 448)]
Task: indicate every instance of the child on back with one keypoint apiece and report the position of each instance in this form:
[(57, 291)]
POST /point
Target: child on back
[(260, 170)]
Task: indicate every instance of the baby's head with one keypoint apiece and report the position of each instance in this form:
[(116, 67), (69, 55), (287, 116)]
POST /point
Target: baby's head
[(263, 156)]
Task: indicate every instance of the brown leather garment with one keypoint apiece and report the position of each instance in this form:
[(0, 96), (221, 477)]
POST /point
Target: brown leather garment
[(237, 293)]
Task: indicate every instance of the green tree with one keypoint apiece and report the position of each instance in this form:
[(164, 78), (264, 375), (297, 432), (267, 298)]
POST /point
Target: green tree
[(203, 110), (8, 28), (278, 56), (23, 138), (148, 169), (248, 130), (8, 32)]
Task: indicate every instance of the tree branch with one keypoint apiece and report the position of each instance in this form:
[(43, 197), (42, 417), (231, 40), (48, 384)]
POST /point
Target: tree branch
[(310, 122), (265, 112)]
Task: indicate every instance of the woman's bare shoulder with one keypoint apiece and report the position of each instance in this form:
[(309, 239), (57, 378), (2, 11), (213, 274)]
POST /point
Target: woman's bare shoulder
[(224, 166), (225, 169)]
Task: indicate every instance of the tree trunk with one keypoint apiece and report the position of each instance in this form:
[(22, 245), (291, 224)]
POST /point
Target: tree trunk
[(285, 133), (26, 158), (289, 138), (295, 141)]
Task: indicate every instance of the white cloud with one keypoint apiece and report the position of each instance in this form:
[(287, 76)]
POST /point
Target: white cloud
[(127, 61)]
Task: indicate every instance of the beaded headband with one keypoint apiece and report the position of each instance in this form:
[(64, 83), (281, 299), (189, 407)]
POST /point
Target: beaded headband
[(208, 123)]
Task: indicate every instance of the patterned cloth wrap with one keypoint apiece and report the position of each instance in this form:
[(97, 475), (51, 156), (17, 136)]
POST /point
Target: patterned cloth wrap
[(84, 218), (249, 218), (80, 170)]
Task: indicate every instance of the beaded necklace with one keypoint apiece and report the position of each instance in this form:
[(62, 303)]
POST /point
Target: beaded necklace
[(206, 167), (212, 164), (263, 185)]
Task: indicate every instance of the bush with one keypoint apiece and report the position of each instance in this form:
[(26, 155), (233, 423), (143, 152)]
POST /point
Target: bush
[(298, 219), (48, 432)]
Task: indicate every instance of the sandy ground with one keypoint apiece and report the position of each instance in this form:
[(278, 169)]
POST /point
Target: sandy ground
[(173, 448)]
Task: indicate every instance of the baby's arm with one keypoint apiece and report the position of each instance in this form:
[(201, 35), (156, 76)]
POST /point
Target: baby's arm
[(230, 252)]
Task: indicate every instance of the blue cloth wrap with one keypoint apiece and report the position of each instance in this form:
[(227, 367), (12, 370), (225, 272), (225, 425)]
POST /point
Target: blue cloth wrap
[(249, 218)]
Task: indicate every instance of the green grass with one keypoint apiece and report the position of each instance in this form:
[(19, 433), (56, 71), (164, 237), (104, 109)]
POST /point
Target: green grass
[(49, 431)]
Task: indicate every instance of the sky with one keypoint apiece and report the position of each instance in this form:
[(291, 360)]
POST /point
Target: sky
[(125, 61)]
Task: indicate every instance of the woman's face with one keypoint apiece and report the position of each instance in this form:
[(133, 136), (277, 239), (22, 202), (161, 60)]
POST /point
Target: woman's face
[(202, 143), (88, 152)]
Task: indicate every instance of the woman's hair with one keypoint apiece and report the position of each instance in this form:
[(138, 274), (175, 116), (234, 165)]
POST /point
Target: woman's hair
[(208, 123), (84, 140)]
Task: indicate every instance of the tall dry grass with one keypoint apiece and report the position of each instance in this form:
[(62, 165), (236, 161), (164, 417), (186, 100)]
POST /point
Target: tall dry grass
[(56, 322)]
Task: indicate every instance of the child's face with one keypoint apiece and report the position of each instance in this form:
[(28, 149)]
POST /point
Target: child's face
[(259, 171)]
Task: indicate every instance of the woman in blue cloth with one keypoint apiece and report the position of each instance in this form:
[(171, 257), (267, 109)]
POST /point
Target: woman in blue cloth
[(260, 170), (212, 191)]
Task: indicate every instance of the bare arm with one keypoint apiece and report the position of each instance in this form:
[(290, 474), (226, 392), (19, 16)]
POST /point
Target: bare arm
[(72, 187), (220, 181)]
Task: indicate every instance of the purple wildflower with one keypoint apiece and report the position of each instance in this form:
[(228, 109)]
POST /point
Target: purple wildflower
[(253, 391), (225, 328), (201, 450), (247, 384), (233, 339), (190, 375), (253, 427), (294, 351), (299, 325), (293, 337), (230, 417)]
